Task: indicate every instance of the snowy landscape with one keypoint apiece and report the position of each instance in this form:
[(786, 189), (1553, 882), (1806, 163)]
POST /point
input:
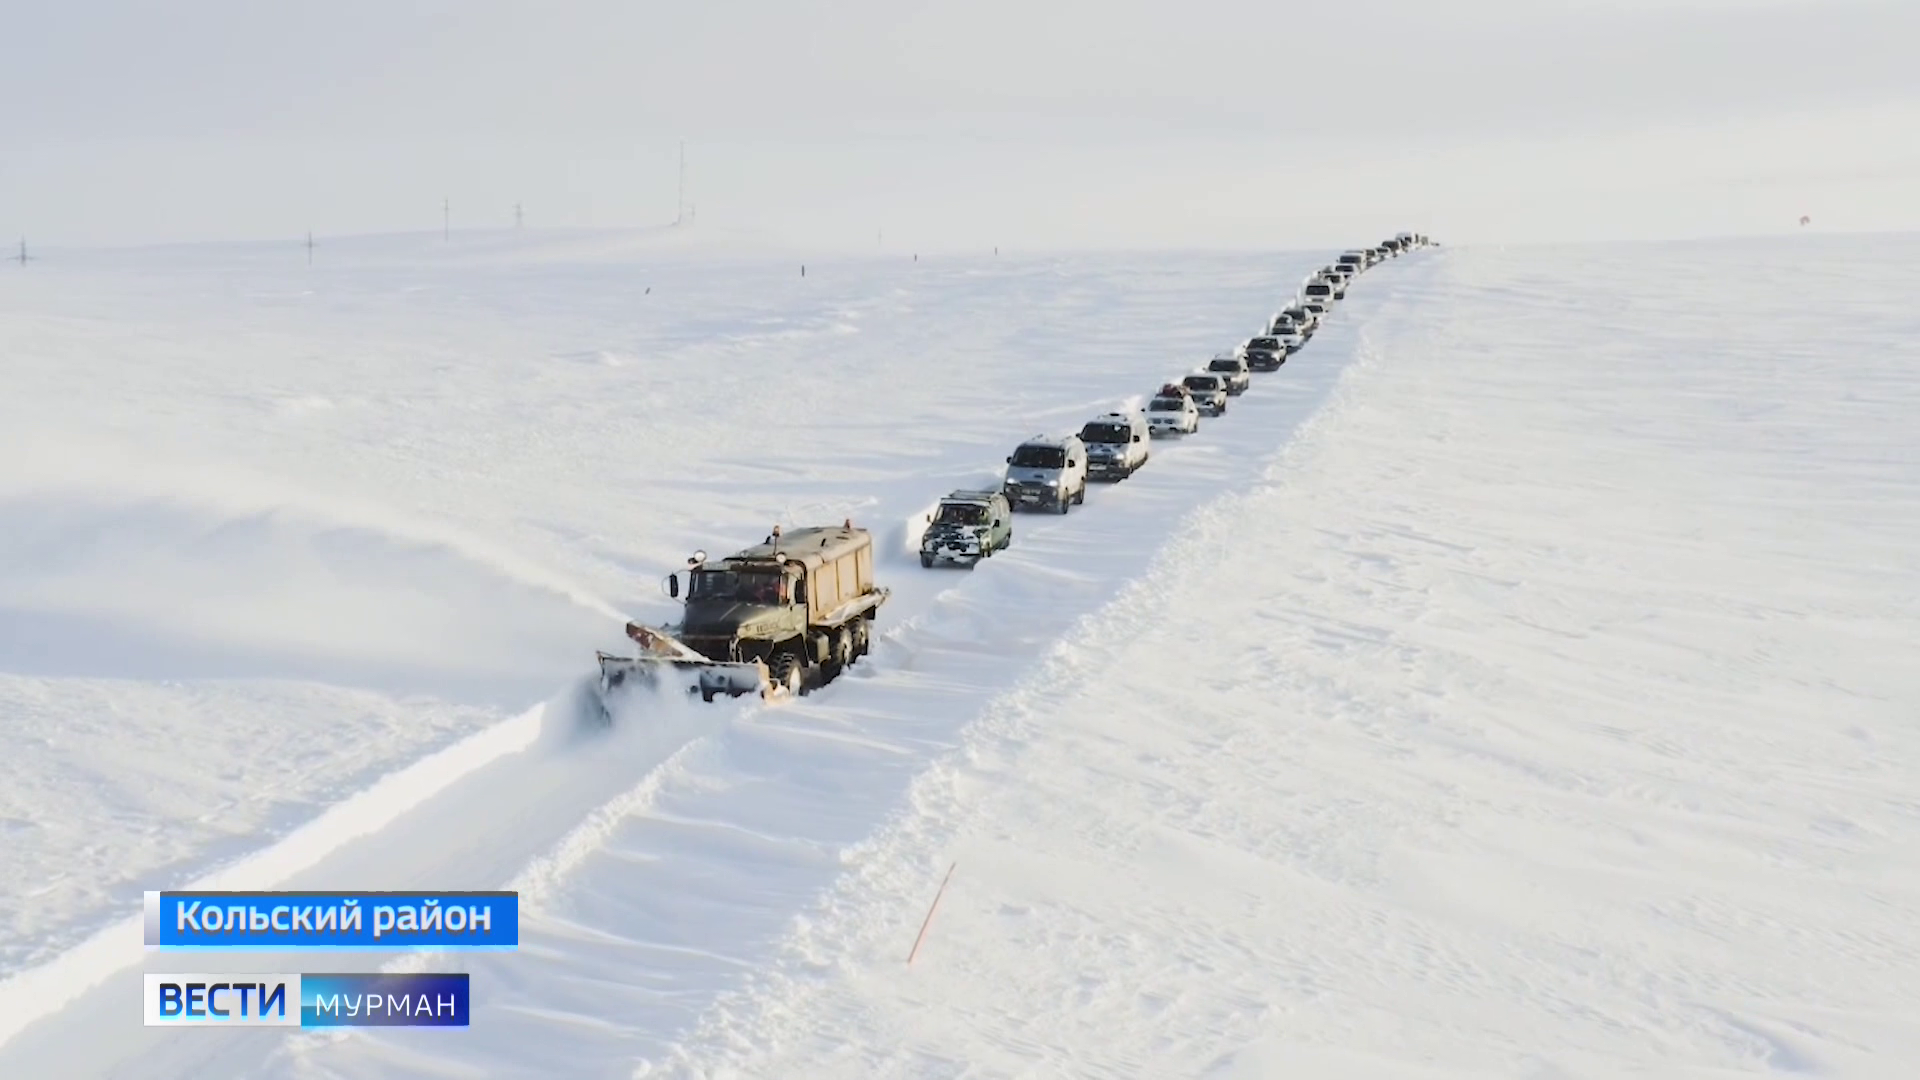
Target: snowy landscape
[(1518, 683)]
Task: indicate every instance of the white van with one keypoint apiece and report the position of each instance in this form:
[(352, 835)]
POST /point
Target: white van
[(1116, 444)]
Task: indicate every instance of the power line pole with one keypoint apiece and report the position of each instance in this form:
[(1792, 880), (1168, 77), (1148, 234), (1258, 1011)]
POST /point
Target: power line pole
[(446, 220), (309, 247), (680, 209), (23, 251), (518, 218)]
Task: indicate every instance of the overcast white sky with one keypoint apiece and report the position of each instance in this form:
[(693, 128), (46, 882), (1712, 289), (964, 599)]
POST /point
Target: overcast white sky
[(1024, 123)]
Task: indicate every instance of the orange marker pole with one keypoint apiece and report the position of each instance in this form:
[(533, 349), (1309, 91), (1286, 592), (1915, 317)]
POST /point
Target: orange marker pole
[(928, 921)]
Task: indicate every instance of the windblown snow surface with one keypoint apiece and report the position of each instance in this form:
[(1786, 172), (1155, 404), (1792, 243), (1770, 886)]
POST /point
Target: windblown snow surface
[(1519, 683)]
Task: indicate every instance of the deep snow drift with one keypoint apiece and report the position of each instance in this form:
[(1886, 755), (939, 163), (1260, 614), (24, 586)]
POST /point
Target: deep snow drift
[(1514, 684)]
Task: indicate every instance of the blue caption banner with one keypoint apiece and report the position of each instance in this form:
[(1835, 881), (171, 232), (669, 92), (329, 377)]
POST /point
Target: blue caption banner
[(328, 1000), (383, 1000), (334, 920)]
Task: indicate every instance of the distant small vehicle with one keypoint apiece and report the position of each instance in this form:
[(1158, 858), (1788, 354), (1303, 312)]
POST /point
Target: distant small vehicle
[(968, 526), (1303, 319), (1172, 412), (1317, 309), (1321, 291), (1116, 444), (1265, 353), (1291, 338), (1335, 277), (1209, 392), (1046, 472), (1234, 370), (1355, 261)]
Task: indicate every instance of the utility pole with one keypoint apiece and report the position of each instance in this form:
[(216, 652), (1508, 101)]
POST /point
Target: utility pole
[(309, 247), (23, 251), (446, 220), (680, 207), (518, 219)]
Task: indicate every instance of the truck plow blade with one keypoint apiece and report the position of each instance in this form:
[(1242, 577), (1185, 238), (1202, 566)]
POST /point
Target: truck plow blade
[(667, 664), (708, 678)]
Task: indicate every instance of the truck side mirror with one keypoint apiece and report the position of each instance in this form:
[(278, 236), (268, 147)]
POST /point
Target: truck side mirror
[(929, 519), (1136, 438), (1009, 459), (673, 586), (1072, 464)]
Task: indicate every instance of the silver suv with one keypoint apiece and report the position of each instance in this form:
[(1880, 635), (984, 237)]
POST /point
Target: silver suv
[(1234, 370), (1047, 473), (1209, 392)]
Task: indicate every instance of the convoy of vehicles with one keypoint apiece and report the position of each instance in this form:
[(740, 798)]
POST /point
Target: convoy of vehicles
[(796, 610)]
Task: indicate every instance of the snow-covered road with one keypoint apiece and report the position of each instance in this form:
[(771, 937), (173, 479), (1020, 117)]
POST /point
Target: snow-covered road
[(1045, 345), (1518, 683)]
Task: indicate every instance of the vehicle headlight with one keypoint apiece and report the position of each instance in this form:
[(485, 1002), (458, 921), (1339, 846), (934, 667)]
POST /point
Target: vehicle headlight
[(1051, 483)]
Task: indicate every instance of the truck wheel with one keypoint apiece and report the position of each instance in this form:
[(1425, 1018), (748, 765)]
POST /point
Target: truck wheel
[(842, 653), (862, 638), (786, 674), (926, 560)]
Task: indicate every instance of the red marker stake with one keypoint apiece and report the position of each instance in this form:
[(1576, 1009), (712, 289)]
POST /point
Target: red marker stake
[(928, 921)]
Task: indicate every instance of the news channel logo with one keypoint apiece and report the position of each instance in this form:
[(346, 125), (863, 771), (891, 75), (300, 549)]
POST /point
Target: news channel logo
[(280, 922), (325, 1000)]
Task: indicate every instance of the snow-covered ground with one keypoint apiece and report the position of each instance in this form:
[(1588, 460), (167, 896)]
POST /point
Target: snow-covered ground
[(1516, 684)]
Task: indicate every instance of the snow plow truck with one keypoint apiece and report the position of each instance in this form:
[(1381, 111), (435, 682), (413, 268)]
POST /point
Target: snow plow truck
[(775, 619)]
